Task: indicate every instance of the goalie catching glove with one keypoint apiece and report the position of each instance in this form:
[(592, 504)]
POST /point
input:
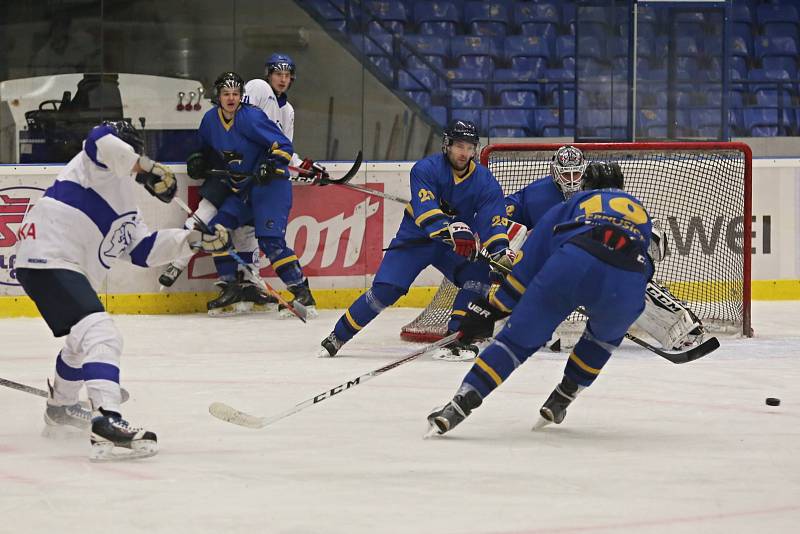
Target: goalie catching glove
[(501, 263), (157, 179), (217, 242), (478, 321), (459, 236)]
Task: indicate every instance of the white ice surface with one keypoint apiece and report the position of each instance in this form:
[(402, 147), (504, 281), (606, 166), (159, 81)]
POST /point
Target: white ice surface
[(651, 447)]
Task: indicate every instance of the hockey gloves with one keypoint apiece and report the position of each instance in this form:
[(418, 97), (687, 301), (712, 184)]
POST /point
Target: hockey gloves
[(478, 323), (460, 237), (157, 179), (273, 167), (503, 261), (217, 242), (197, 166), (314, 173)]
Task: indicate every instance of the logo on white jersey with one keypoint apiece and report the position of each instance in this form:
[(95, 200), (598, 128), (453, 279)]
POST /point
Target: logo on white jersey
[(118, 239)]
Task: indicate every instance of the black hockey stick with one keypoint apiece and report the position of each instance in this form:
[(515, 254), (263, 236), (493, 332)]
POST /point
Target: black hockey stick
[(229, 414), (297, 308), (42, 393), (306, 173), (675, 356)]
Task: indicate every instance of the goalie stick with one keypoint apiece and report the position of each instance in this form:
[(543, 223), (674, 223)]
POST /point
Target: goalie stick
[(42, 393), (297, 308), (229, 414)]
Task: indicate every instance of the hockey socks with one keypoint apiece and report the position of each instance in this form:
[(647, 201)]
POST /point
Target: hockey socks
[(493, 366), (365, 309)]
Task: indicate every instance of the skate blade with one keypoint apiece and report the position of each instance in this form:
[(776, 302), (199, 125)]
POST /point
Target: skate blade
[(311, 311), (432, 432), (106, 452), (446, 355), (264, 308), (540, 424), (234, 309)]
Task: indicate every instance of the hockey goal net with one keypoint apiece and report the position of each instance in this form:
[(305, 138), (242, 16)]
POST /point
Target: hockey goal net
[(701, 193)]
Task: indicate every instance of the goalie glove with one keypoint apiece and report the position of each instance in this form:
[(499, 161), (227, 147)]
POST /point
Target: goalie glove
[(459, 236), (657, 249), (501, 264), (313, 173), (214, 243), (157, 179), (478, 321)]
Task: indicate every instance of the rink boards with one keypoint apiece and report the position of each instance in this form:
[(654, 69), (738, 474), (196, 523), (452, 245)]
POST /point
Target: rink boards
[(338, 235)]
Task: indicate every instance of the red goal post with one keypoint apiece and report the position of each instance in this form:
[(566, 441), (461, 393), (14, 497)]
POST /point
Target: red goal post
[(700, 191)]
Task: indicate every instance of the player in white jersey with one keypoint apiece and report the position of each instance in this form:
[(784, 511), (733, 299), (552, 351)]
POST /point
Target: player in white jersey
[(270, 95), (87, 219)]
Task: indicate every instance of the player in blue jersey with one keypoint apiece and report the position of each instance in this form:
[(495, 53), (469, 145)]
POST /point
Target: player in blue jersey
[(590, 251), (84, 222), (452, 199), (255, 151)]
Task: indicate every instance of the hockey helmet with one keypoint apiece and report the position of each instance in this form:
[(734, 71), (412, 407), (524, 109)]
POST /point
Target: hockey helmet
[(125, 131), (567, 168), (280, 62), (229, 80), (458, 130), (603, 175)]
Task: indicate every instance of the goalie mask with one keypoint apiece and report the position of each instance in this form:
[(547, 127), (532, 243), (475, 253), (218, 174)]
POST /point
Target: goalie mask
[(567, 169), (227, 80)]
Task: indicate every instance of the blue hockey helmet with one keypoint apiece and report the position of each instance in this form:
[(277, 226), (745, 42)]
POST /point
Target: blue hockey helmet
[(125, 131), (228, 79), (280, 62)]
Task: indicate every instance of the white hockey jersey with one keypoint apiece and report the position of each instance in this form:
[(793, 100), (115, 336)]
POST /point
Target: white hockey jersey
[(89, 217), (259, 93)]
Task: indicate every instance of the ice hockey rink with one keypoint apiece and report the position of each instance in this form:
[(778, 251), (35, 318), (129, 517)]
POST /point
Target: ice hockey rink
[(651, 447)]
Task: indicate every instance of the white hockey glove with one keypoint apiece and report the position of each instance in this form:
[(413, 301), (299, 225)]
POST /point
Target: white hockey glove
[(459, 236), (157, 179), (658, 242), (668, 320), (217, 242)]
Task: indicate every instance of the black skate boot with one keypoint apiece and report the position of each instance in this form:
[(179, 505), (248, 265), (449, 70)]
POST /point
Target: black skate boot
[(330, 346), (554, 409), (302, 294), (446, 418), (260, 301), (458, 351), (229, 301), (74, 415), (110, 431), (170, 274)]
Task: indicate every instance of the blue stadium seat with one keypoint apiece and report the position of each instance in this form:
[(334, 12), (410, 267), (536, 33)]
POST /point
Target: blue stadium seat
[(544, 30), (433, 49), (518, 99), (388, 17), (591, 47), (686, 68), (487, 18), (514, 119), (771, 79), (384, 66), (475, 52), (778, 19), (789, 64), (440, 18), (775, 47), (466, 98), (764, 122), (558, 81), (773, 98), (374, 45), (468, 78), (547, 122), (652, 123), (512, 80), (690, 24), (706, 118), (422, 98), (418, 80), (438, 114), (478, 116), (565, 98), (565, 48), (526, 47), (541, 20), (329, 11)]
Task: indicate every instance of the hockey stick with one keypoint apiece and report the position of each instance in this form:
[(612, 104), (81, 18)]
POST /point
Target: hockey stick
[(308, 173), (675, 356), (232, 415), (297, 308), (42, 393)]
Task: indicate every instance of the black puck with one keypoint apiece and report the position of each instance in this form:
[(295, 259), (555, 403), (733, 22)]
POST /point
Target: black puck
[(772, 401)]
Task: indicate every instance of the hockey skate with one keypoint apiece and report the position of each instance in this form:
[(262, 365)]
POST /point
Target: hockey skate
[(330, 346), (554, 409), (446, 418), (457, 351), (302, 294), (170, 274), (110, 431), (58, 418), (229, 301), (260, 302)]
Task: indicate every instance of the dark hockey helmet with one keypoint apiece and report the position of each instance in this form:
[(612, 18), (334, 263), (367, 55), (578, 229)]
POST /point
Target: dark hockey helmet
[(458, 130), (229, 80), (280, 62), (125, 131), (603, 175), (567, 168)]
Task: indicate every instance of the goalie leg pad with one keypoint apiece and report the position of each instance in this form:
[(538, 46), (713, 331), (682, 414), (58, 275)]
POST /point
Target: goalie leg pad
[(668, 320), (366, 308)]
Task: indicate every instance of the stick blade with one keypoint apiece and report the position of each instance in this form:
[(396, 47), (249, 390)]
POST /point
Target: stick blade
[(229, 414), (352, 172), (706, 347)]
